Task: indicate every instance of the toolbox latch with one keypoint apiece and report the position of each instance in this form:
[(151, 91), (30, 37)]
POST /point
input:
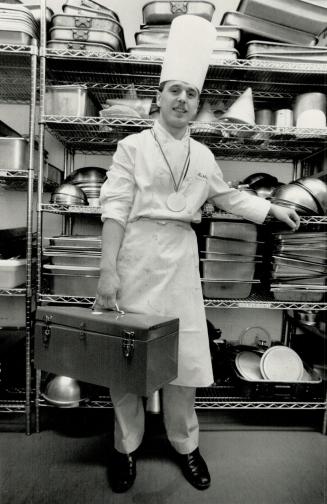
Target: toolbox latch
[(82, 331), (178, 7), (127, 344), (46, 330)]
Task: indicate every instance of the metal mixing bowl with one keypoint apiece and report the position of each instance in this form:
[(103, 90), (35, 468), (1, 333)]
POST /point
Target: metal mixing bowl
[(69, 194), (87, 175), (297, 196), (317, 188), (63, 391)]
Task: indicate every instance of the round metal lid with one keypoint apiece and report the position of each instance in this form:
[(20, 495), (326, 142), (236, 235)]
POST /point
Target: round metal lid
[(280, 363)]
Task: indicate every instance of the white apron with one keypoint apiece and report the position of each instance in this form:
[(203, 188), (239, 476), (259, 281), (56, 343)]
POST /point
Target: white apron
[(159, 272)]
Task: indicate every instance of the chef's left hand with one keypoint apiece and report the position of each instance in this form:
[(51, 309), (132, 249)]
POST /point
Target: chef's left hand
[(287, 215)]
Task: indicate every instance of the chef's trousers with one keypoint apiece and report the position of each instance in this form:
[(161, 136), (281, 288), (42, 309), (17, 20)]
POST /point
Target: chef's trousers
[(180, 419)]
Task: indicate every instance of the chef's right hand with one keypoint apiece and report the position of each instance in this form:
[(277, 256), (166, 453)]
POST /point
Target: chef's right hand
[(107, 291)]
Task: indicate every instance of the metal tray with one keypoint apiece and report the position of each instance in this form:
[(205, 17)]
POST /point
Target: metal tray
[(160, 37), (70, 259), (296, 263), (266, 47), (80, 46), (88, 23), (88, 8), (15, 37), (84, 35), (220, 289), (267, 30), (299, 296), (296, 14), (81, 241), (163, 12), (69, 100), (292, 58), (14, 10), (226, 246), (243, 231)]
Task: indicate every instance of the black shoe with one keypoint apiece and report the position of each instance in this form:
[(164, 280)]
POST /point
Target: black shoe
[(123, 471), (195, 469)]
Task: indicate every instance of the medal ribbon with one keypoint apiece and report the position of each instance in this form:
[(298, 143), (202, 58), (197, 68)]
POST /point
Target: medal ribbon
[(185, 167)]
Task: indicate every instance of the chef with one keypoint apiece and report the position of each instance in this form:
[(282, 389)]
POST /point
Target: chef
[(157, 183)]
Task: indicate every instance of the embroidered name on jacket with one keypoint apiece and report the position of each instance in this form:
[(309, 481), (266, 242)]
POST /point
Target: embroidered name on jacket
[(202, 175)]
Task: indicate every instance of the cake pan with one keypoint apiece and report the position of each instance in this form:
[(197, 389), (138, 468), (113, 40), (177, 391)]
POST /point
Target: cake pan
[(162, 12), (79, 46), (296, 14), (88, 8), (84, 35), (267, 30), (89, 23)]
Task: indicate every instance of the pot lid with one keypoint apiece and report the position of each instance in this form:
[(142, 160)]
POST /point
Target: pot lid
[(281, 363)]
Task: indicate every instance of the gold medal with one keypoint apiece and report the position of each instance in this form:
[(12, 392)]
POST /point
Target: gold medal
[(176, 202)]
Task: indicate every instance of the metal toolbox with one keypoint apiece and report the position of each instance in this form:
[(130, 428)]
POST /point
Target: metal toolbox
[(134, 350), (227, 270), (88, 8), (84, 35), (71, 100), (296, 14), (88, 23), (163, 12), (79, 46), (220, 289), (267, 30)]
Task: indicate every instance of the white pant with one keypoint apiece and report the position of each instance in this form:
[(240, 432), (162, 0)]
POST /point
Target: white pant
[(180, 418)]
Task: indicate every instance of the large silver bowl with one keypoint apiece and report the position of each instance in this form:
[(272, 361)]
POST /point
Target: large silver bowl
[(69, 194), (63, 391), (296, 196), (317, 188), (87, 175)]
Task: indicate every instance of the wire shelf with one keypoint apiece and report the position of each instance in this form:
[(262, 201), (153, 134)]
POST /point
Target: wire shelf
[(123, 68), (13, 292), (62, 209), (225, 139), (18, 181)]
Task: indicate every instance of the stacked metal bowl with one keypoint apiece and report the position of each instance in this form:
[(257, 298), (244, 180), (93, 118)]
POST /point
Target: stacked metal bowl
[(89, 179), (307, 195), (68, 194), (229, 260), (299, 266)]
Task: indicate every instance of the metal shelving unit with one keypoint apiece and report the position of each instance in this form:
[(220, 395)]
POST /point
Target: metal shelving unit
[(111, 76), (18, 77)]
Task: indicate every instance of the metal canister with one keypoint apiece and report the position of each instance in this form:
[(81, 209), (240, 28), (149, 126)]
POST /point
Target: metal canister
[(310, 110), (283, 118), (264, 116)]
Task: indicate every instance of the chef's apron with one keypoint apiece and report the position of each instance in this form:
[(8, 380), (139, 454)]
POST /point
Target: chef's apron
[(158, 266)]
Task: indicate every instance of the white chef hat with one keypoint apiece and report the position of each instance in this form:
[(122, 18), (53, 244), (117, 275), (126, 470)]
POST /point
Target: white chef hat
[(189, 49)]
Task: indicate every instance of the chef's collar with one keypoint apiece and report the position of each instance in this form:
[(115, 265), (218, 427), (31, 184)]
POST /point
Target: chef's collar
[(165, 136)]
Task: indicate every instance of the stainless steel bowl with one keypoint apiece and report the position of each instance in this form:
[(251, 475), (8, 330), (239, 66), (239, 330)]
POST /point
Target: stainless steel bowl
[(87, 175), (69, 194), (63, 391), (295, 195), (317, 189)]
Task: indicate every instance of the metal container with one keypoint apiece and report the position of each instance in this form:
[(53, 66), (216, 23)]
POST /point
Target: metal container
[(230, 257), (310, 110), (77, 241), (234, 230), (7, 9), (137, 351), (226, 246), (69, 194), (292, 13), (295, 194), (283, 118), (84, 35), (72, 280), (12, 273), (298, 295), (15, 37), (70, 100), (79, 46), (264, 116), (14, 153), (73, 259), (36, 11), (296, 264), (88, 8), (227, 270), (89, 23), (267, 30), (317, 57), (160, 37), (213, 289), (256, 47), (163, 12), (63, 392)]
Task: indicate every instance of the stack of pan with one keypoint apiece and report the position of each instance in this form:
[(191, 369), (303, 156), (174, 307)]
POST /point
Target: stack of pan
[(299, 266), (274, 51), (72, 264), (230, 259), (17, 25), (87, 26), (152, 37)]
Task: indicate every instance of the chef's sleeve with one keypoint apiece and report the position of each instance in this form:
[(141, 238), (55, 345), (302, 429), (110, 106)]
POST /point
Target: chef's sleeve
[(117, 192), (240, 203)]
